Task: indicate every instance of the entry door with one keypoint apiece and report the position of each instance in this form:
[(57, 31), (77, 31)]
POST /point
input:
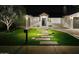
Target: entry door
[(43, 21), (76, 22)]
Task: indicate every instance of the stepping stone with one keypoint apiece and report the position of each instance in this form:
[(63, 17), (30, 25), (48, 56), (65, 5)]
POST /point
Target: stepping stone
[(42, 38), (46, 36), (48, 42)]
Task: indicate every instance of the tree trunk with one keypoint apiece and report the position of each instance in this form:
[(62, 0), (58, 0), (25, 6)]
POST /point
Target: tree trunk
[(8, 28)]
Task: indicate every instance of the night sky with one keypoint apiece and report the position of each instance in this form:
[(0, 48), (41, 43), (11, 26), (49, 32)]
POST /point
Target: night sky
[(51, 10)]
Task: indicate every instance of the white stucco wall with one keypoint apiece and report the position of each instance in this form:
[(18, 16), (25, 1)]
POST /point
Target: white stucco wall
[(35, 21), (55, 20), (67, 22), (70, 18), (46, 17)]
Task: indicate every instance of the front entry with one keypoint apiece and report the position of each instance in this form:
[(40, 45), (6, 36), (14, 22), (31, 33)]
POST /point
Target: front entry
[(43, 21)]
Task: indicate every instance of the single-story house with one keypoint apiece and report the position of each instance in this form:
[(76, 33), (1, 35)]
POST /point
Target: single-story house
[(43, 20)]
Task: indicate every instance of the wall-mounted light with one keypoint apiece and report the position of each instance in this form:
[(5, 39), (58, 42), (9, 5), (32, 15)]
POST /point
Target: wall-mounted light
[(71, 17)]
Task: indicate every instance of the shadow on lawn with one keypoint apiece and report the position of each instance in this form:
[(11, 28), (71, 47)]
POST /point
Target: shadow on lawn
[(16, 37)]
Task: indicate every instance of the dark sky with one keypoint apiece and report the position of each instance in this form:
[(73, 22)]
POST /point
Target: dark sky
[(51, 10)]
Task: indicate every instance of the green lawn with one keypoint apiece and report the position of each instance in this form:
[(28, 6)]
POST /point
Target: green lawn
[(60, 37), (63, 38), (33, 33), (16, 37)]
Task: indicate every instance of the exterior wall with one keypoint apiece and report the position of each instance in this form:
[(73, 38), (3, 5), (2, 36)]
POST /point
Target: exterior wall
[(74, 20), (55, 20), (62, 21), (30, 18), (27, 21), (67, 22), (46, 17), (35, 21)]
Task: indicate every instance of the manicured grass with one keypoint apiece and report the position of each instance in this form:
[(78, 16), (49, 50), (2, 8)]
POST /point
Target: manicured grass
[(60, 37), (16, 37), (33, 33), (63, 38)]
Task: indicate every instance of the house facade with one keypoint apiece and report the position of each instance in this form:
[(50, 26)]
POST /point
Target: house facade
[(71, 21), (44, 21)]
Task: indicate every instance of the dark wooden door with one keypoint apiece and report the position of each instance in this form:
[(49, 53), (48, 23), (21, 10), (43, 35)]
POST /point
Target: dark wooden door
[(43, 21)]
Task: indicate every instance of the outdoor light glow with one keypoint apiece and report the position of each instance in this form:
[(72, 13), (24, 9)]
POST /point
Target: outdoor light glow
[(26, 16), (71, 17)]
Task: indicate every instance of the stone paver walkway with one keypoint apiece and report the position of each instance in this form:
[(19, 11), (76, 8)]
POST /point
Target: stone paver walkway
[(45, 37), (42, 38)]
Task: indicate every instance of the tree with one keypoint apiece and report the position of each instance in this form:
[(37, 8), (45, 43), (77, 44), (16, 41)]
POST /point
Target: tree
[(7, 16), (21, 12), (10, 14)]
